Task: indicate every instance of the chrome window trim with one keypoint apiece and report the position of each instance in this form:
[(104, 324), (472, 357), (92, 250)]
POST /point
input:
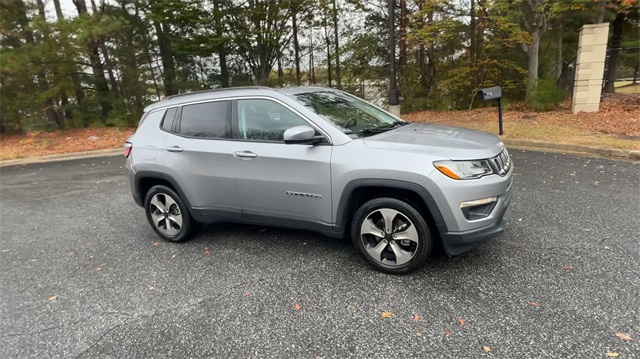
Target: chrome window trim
[(247, 97)]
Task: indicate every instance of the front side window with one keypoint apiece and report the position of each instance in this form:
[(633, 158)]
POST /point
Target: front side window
[(349, 114), (265, 120), (208, 120)]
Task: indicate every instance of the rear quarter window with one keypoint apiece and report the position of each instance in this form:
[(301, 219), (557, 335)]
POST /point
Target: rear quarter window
[(151, 119), (167, 121), (207, 120)]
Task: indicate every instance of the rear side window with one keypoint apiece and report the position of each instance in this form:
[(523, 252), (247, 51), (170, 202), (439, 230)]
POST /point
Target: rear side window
[(208, 120), (167, 121)]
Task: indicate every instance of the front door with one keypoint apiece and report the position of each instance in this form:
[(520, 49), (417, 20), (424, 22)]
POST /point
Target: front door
[(275, 180)]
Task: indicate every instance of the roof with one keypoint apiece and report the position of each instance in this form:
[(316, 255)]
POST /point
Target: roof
[(223, 92)]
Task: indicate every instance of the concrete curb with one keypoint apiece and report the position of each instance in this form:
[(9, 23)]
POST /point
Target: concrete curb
[(538, 145), (64, 157), (600, 151)]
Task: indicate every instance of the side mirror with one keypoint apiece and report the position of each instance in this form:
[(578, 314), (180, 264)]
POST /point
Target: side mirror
[(301, 135)]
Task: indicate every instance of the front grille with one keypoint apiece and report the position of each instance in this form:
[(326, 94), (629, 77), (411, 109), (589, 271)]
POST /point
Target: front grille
[(502, 162)]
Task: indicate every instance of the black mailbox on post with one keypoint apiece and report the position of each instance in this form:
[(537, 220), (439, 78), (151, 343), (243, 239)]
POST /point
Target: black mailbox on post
[(492, 93)]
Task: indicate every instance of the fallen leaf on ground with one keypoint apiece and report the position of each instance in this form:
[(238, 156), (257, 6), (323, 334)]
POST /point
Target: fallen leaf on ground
[(448, 332), (297, 306), (612, 354), (461, 321), (567, 267), (533, 304), (625, 337), (416, 318), (155, 244), (386, 314), (486, 349), (52, 298), (101, 266)]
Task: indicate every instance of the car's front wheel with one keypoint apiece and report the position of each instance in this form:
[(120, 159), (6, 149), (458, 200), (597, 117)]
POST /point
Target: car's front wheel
[(392, 235), (168, 215)]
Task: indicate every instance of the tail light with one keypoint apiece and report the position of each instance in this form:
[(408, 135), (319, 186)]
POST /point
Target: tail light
[(127, 149)]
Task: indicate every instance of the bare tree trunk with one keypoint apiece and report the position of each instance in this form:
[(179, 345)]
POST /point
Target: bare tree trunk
[(75, 79), (312, 65), (614, 57), (472, 34), (402, 58), (56, 5), (166, 56), (296, 46), (600, 11), (145, 42), (337, 46), (533, 51), (41, 75), (559, 59), (326, 37), (96, 65), (64, 100), (109, 68), (222, 51)]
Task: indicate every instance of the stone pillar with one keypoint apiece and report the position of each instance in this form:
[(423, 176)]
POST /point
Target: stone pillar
[(592, 51), (395, 110)]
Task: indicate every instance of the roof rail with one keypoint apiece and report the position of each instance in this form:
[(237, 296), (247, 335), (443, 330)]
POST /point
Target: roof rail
[(218, 89)]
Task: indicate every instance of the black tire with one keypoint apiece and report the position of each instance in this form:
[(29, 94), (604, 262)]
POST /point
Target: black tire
[(367, 243), (176, 233)]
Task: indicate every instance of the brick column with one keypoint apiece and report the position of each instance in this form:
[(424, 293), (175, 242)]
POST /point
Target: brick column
[(592, 51)]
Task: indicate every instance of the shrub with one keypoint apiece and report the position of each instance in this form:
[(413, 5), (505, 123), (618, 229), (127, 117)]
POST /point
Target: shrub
[(546, 95)]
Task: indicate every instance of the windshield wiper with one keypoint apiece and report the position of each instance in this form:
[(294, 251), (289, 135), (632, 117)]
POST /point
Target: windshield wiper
[(380, 129), (392, 125)]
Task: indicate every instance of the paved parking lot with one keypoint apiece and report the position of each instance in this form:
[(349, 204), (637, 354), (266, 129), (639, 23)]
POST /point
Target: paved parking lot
[(83, 275)]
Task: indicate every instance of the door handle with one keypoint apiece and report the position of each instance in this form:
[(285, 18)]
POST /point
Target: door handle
[(245, 154), (174, 149)]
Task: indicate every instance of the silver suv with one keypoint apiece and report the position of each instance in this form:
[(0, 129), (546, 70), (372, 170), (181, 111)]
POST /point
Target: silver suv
[(322, 160)]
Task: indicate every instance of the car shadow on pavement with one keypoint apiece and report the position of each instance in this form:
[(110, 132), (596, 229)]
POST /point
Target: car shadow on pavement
[(273, 240)]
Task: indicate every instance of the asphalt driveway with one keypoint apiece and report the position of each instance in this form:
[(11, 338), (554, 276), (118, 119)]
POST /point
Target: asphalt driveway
[(83, 275)]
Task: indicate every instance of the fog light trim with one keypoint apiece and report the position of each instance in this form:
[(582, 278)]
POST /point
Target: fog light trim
[(478, 202)]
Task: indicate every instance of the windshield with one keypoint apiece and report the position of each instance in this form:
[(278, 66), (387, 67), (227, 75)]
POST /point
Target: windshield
[(349, 114)]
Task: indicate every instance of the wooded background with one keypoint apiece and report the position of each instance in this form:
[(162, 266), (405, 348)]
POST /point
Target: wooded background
[(105, 63)]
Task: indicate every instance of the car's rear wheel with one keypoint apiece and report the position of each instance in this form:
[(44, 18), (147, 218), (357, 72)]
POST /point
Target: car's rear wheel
[(391, 235), (168, 215)]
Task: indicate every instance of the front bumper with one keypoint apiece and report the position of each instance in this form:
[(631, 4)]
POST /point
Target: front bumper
[(458, 242)]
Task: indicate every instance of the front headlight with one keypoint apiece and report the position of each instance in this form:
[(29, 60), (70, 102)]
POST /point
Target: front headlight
[(464, 169)]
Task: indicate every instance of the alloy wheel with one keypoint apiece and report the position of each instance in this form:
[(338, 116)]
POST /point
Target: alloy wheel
[(165, 214), (389, 237)]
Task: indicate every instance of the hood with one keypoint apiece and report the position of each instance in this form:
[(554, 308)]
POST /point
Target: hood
[(454, 143)]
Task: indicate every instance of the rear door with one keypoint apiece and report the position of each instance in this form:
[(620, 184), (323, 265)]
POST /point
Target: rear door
[(197, 156)]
